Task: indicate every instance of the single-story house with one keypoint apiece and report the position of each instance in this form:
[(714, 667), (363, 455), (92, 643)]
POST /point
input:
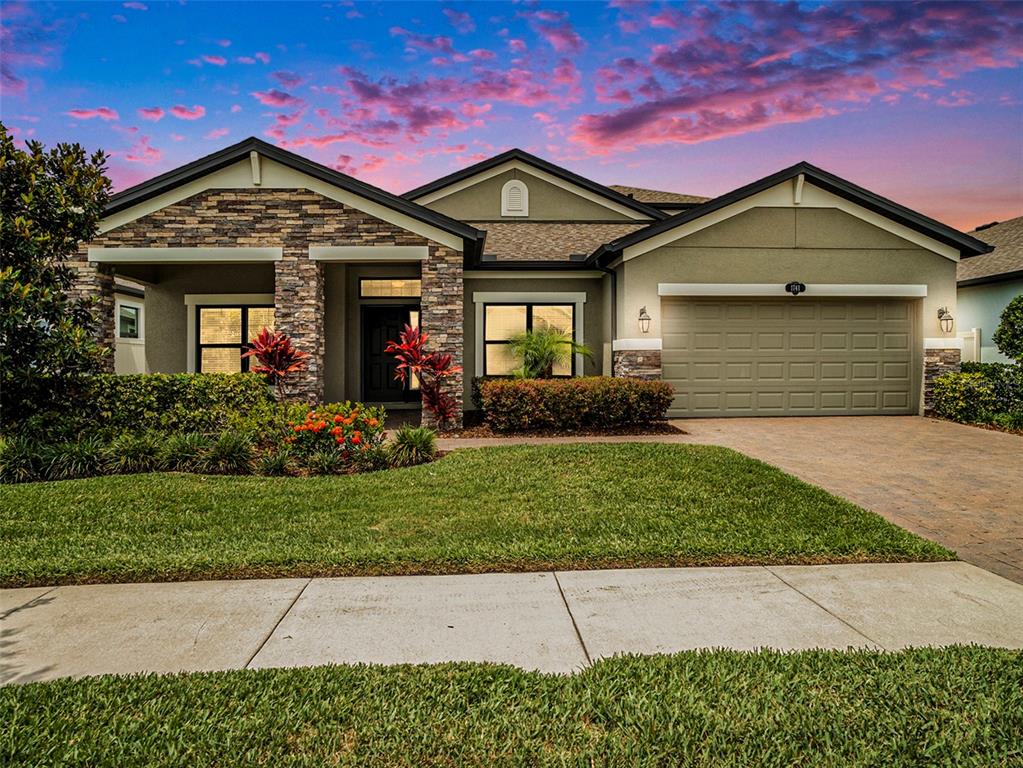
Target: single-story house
[(986, 285), (129, 327), (799, 293)]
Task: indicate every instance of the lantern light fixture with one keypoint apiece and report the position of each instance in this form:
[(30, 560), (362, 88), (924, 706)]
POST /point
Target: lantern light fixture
[(945, 320), (644, 320)]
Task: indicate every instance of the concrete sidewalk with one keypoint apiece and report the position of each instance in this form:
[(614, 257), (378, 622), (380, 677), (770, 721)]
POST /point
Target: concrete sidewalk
[(555, 622)]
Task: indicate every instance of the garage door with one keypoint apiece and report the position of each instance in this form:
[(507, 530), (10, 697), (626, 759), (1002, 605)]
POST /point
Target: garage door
[(792, 356)]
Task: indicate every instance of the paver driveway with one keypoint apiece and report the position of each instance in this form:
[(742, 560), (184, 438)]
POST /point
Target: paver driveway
[(958, 485)]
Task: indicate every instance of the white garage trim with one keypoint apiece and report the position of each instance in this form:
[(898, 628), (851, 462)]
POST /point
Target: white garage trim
[(880, 290), (388, 253), (480, 298), (946, 342), (781, 196), (192, 300), (182, 255), (621, 345)]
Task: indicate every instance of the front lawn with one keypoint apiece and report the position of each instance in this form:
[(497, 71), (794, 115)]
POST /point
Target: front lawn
[(495, 509), (955, 707)]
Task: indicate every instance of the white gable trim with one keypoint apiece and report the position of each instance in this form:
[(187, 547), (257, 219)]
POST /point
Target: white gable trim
[(274, 175), (782, 196), (518, 165)]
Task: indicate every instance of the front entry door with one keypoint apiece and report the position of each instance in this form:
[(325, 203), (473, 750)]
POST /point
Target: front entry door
[(379, 326)]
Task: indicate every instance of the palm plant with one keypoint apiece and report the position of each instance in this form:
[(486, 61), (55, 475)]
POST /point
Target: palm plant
[(542, 349)]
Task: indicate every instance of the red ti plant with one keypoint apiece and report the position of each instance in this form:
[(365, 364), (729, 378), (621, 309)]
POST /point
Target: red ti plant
[(429, 368), (278, 358)]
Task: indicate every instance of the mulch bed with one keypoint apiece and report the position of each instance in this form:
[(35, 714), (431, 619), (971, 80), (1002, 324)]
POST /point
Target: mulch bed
[(484, 431)]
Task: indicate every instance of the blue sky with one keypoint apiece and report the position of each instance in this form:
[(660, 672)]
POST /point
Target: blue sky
[(921, 102)]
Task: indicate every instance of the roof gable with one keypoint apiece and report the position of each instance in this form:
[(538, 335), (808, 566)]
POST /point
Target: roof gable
[(1005, 262), (517, 158), (830, 190), (321, 179)]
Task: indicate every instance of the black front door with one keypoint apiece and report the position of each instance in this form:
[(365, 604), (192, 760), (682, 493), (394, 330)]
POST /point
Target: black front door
[(379, 326)]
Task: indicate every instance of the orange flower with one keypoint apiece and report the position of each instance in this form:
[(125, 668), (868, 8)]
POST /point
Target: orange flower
[(336, 431), (356, 438), (310, 416), (338, 419), (339, 440), (372, 422)]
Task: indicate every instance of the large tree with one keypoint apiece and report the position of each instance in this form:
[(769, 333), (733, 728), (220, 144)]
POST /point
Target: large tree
[(51, 201)]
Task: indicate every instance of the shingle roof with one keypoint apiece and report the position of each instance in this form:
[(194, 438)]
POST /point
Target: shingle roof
[(654, 196), (548, 241), (1006, 258)]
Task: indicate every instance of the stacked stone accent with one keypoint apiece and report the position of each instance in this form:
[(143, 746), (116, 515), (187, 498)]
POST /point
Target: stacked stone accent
[(442, 315), (95, 283), (637, 363), (292, 219), (936, 363)]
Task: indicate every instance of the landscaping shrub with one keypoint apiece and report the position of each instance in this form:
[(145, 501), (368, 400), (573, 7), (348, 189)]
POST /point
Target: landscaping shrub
[(1006, 382), (183, 452), (325, 462), (598, 401), (21, 460), (372, 459), (134, 452), (276, 463), (966, 397), (413, 445), (476, 389), (232, 453), (69, 461), (342, 428), (1008, 337)]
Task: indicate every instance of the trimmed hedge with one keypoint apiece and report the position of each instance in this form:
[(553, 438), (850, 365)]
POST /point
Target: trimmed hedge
[(984, 393), (1006, 382), (596, 401)]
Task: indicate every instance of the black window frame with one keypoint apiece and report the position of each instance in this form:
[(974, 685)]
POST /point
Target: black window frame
[(242, 347), (417, 298), (529, 327)]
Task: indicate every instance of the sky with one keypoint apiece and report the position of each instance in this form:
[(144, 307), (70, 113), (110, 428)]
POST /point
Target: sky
[(920, 102)]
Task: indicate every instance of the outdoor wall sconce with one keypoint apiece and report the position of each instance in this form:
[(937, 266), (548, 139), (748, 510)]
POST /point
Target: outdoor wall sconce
[(644, 320), (946, 320)]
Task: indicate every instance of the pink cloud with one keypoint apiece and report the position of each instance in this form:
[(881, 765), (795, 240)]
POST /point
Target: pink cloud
[(415, 41), (217, 133), (225, 43), (517, 46), (276, 98), (556, 29), (142, 152), (263, 57), (235, 108), (287, 79), (184, 113), (482, 53), (460, 20), (119, 18), (136, 6), (217, 61), (103, 113), (151, 113), (473, 110), (543, 117)]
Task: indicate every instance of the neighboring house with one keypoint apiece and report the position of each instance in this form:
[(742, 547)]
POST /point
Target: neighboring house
[(987, 283), (659, 285), (129, 327)]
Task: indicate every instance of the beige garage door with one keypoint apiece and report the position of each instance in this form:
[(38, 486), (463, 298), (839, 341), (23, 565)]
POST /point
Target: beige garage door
[(793, 356)]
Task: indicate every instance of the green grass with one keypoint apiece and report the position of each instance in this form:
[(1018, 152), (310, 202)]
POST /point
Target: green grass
[(511, 508), (953, 707)]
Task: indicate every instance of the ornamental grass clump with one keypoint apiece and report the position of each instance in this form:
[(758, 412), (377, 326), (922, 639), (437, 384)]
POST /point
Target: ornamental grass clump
[(232, 453), (277, 462), (21, 460), (184, 452), (413, 445), (134, 452), (69, 461)]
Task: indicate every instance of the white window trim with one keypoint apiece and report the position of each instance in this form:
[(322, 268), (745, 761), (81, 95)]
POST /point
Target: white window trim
[(481, 298), (118, 303), (880, 290), (192, 300), (506, 190)]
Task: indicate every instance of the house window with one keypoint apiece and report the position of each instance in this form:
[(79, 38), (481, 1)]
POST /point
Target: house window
[(515, 198), (501, 322), (129, 321), (390, 288), (223, 334)]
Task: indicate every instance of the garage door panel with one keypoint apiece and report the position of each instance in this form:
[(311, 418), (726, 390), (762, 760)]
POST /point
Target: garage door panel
[(789, 356)]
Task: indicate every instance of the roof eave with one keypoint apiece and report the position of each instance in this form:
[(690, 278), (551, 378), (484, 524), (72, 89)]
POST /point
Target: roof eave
[(1002, 277)]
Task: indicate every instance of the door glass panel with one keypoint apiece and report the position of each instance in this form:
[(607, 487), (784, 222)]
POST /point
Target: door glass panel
[(503, 322), (221, 360), (259, 318), (557, 317), (371, 288), (220, 325), (413, 320), (500, 360)]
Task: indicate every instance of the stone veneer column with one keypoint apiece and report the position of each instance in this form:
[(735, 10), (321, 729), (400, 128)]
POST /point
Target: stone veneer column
[(637, 363), (298, 312), (938, 361), (441, 315), (95, 283)]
